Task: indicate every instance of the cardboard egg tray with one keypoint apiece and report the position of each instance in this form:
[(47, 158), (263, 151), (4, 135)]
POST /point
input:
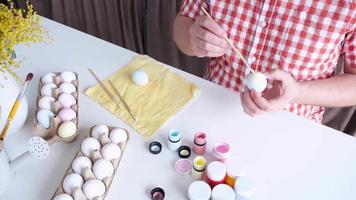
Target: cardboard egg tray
[(50, 134), (78, 194)]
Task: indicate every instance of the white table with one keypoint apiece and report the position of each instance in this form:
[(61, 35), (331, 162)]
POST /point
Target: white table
[(288, 158)]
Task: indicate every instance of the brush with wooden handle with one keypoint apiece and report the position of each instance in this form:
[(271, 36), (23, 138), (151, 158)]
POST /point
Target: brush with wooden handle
[(231, 44), (15, 106)]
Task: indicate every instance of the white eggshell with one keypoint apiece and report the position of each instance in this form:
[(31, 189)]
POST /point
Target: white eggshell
[(111, 151), (63, 197), (67, 100), (47, 89), (44, 117), (71, 182), (140, 77), (89, 145), (103, 168), (68, 88), (118, 135), (48, 78), (99, 130), (93, 188), (67, 129), (45, 102), (80, 163), (256, 81), (68, 76)]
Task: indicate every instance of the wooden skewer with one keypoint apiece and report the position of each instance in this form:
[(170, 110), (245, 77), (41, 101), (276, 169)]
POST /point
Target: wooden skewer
[(104, 88), (122, 99), (231, 44)]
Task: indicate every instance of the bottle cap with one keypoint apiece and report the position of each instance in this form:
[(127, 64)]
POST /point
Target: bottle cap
[(183, 166), (199, 163), (223, 191), (199, 190), (200, 139), (244, 187), (184, 152), (216, 171), (174, 135), (157, 193), (155, 147)]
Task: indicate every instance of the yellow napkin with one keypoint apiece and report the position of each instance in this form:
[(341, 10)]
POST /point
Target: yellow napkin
[(153, 104)]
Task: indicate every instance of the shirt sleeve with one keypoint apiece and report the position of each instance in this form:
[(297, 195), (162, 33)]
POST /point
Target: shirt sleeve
[(350, 49), (192, 8)]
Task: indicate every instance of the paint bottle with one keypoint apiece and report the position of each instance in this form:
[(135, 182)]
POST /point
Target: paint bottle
[(199, 147), (199, 166), (174, 140), (221, 151), (223, 191), (199, 190), (215, 173), (234, 169), (244, 188)]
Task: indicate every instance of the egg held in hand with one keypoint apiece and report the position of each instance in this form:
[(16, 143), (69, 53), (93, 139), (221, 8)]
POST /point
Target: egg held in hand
[(256, 81)]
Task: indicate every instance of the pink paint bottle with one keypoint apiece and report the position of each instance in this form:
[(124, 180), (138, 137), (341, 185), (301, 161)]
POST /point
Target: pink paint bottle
[(199, 147), (221, 151)]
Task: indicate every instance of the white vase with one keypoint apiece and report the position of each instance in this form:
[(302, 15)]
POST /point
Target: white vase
[(9, 90)]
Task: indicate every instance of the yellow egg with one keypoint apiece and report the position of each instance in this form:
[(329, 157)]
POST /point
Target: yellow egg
[(67, 129)]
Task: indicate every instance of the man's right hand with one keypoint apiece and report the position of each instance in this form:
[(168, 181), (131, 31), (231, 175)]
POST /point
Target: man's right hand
[(207, 38)]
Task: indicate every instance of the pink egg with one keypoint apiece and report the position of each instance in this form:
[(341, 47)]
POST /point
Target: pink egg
[(67, 114), (66, 100)]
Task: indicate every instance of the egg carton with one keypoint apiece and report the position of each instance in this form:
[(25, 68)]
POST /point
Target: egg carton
[(87, 173), (51, 134)]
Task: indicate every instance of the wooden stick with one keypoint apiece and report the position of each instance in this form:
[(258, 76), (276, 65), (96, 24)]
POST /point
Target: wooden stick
[(122, 99), (231, 44), (104, 88)]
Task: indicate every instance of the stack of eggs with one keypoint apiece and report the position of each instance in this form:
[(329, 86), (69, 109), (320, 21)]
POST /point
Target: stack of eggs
[(57, 112), (93, 169)]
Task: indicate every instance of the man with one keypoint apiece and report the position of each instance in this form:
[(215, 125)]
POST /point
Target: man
[(297, 44)]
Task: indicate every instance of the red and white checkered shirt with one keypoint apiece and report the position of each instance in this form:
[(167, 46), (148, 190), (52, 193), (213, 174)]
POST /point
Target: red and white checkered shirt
[(303, 37)]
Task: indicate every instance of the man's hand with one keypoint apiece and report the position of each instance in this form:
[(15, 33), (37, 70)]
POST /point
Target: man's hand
[(284, 91), (206, 38)]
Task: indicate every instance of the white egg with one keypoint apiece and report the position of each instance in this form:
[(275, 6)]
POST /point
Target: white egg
[(118, 135), (68, 76), (48, 78), (67, 100), (111, 151), (99, 130), (63, 196), (68, 88), (45, 102), (140, 78), (47, 89), (89, 145), (80, 163), (44, 117), (93, 188), (67, 129), (256, 81), (103, 168), (71, 182)]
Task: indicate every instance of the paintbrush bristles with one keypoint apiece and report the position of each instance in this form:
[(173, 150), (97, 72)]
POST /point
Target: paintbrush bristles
[(231, 44), (29, 77)]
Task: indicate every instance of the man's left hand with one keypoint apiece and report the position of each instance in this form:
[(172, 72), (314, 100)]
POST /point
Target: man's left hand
[(284, 91)]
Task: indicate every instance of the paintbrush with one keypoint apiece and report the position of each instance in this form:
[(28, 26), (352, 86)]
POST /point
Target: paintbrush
[(104, 88), (231, 44), (15, 106), (122, 100)]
